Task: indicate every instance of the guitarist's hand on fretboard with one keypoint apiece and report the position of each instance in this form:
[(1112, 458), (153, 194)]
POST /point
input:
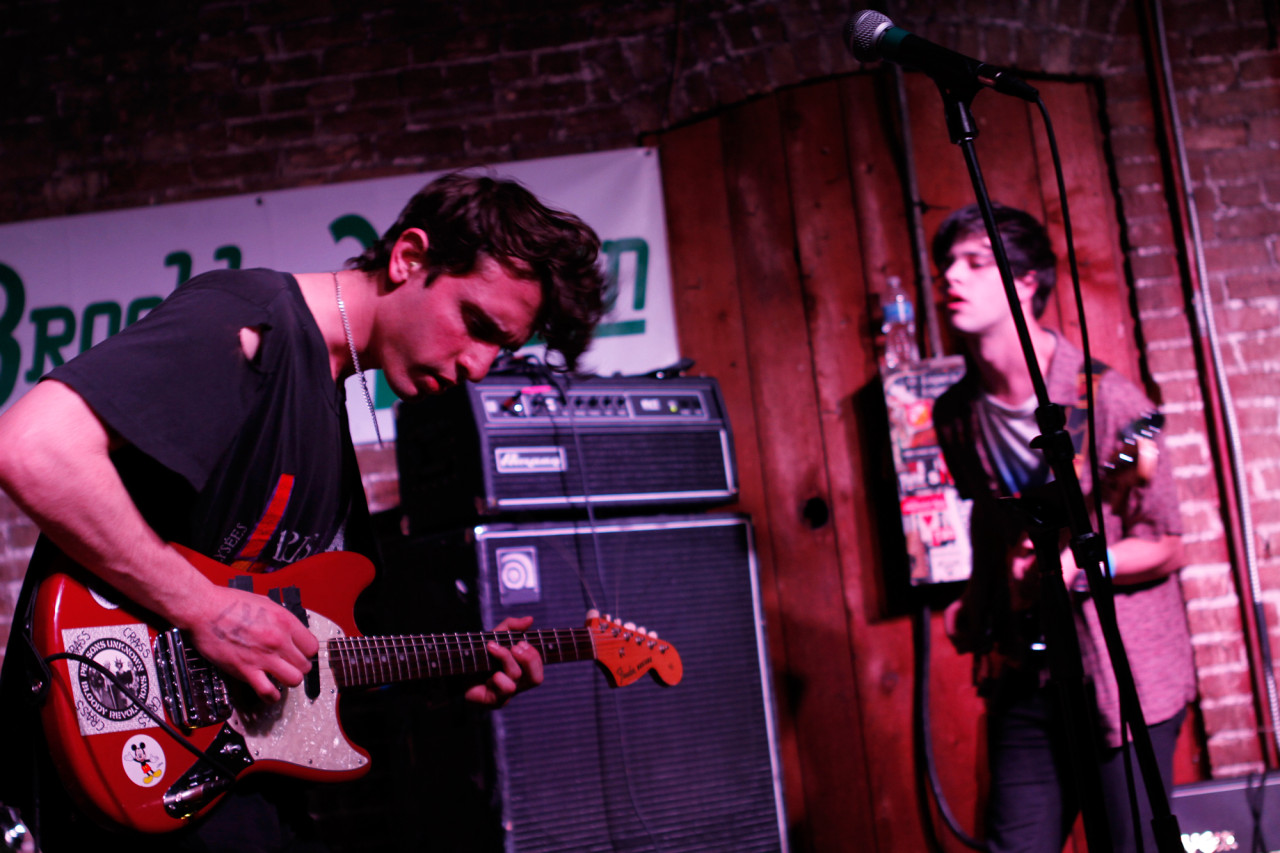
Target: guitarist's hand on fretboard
[(519, 667)]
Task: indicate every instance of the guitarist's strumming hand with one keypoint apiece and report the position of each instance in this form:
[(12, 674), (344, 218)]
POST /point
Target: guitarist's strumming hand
[(519, 668), (249, 636), (1024, 574)]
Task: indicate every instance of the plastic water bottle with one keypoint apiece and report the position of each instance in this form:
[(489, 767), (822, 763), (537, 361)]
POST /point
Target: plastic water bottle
[(899, 326)]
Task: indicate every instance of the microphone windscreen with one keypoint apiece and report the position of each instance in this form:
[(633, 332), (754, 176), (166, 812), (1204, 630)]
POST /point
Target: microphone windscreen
[(862, 34)]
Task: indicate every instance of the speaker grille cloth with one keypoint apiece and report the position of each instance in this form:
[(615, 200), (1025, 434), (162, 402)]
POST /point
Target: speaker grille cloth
[(583, 767)]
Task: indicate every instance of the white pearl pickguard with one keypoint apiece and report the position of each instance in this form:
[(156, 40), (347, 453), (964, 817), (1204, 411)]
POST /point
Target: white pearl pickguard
[(297, 729)]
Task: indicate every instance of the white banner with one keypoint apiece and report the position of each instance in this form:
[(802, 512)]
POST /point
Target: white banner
[(70, 282)]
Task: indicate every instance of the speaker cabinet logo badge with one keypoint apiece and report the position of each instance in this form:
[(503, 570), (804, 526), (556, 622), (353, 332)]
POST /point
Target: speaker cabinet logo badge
[(518, 581)]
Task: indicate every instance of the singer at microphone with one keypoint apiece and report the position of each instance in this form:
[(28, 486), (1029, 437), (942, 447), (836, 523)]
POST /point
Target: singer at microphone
[(870, 36)]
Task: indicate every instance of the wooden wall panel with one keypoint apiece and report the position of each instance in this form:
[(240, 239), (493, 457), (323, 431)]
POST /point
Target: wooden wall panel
[(819, 681), (785, 216), (712, 333), (830, 245)]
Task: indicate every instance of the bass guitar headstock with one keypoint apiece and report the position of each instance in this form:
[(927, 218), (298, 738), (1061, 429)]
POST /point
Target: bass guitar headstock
[(626, 652)]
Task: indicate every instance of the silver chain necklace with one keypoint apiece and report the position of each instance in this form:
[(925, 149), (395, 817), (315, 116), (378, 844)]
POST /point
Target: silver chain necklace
[(355, 359)]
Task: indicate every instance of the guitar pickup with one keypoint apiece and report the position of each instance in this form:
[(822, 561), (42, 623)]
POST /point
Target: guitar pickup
[(290, 598), (194, 693)]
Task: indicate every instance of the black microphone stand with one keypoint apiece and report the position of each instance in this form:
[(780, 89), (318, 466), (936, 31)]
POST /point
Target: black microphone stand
[(1058, 506)]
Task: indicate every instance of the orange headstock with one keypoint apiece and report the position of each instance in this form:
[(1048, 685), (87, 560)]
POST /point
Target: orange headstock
[(627, 652)]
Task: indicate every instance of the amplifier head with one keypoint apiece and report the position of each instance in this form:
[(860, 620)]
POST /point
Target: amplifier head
[(507, 447)]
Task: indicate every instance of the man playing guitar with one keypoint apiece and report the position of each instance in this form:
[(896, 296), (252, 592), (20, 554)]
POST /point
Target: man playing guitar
[(985, 423), (218, 422)]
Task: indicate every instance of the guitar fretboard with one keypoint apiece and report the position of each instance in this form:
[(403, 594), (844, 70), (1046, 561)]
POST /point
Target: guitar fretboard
[(368, 661)]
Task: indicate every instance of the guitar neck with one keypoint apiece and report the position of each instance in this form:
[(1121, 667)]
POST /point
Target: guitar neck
[(370, 661)]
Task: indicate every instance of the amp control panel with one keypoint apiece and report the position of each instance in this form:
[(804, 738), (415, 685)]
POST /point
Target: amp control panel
[(533, 402)]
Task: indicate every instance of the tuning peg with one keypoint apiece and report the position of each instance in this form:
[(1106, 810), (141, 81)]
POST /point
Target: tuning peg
[(629, 626), (641, 630), (653, 635), (593, 614)]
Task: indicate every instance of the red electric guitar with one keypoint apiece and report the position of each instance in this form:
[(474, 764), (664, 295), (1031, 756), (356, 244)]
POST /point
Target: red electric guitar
[(129, 770)]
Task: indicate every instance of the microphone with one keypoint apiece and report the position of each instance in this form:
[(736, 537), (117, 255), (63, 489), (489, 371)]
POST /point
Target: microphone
[(870, 36)]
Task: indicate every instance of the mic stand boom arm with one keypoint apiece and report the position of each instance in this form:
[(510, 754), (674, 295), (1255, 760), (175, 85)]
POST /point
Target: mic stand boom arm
[(1066, 510)]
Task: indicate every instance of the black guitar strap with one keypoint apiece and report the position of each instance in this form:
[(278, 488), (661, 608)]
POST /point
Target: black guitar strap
[(1078, 413)]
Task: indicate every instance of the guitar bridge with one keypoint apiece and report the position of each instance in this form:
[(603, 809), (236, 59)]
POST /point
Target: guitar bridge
[(194, 693), (205, 782)]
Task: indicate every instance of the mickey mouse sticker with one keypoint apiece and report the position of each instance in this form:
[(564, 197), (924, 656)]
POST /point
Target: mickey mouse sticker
[(143, 761)]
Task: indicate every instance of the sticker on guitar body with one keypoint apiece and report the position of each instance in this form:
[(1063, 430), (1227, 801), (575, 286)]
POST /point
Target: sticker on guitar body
[(122, 650), (143, 760)]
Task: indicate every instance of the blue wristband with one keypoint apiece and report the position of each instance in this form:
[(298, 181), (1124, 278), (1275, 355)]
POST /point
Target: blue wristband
[(1111, 563)]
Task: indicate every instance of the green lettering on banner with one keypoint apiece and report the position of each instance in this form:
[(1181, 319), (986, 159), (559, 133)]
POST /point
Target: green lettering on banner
[(620, 328), (140, 306), (230, 254), (15, 302), (48, 344), (353, 225), (613, 251), (383, 396), (357, 227), (108, 310), (181, 260)]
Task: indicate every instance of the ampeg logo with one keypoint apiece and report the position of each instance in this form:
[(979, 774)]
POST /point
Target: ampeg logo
[(518, 581), (530, 460)]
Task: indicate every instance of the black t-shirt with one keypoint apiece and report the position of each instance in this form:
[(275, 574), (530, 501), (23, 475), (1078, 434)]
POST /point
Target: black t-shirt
[(245, 461), (248, 462)]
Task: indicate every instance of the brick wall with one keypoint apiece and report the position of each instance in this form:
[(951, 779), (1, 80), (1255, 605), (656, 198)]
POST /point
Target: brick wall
[(111, 105), (119, 105), (1227, 75)]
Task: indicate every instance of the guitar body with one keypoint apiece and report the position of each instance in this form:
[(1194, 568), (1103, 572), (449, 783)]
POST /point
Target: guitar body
[(122, 766), (127, 769)]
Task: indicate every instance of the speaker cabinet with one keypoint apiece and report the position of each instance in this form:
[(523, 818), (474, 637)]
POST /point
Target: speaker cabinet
[(505, 447), (583, 767), (1229, 814)]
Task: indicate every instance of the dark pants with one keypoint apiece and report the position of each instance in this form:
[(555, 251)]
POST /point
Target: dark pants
[(1033, 803)]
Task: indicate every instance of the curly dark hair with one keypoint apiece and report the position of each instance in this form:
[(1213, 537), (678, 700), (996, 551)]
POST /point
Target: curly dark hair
[(471, 217), (1025, 242)]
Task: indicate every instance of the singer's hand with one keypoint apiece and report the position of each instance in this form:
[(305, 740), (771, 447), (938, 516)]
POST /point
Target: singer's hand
[(1071, 573), (1024, 579)]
